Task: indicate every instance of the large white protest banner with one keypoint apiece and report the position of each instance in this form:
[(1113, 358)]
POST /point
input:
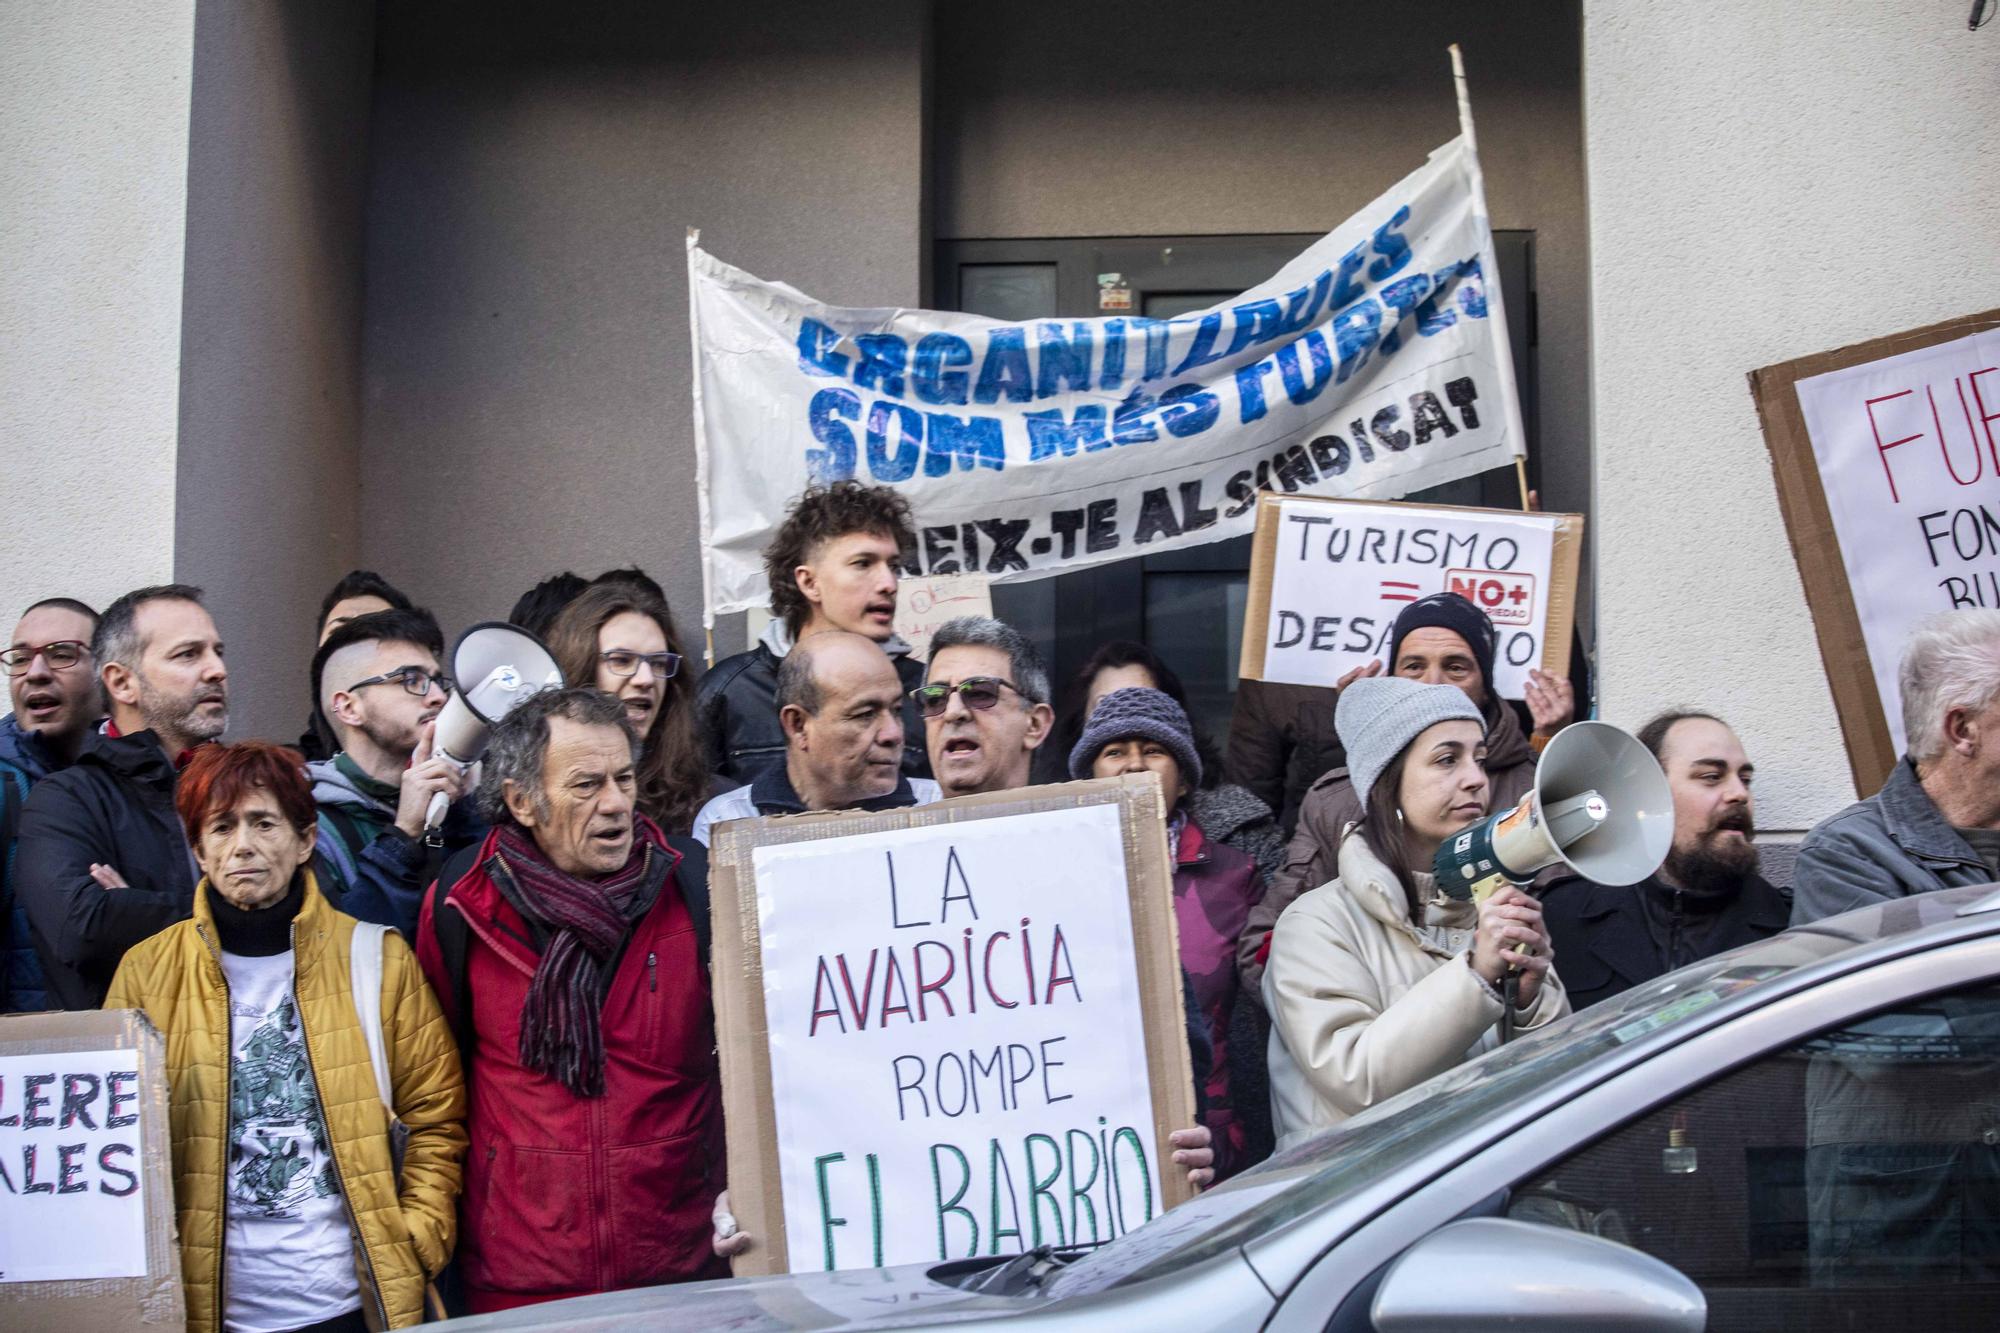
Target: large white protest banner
[(1374, 364), (1888, 470), (1906, 454), (1328, 578), (71, 1165), (967, 1030)]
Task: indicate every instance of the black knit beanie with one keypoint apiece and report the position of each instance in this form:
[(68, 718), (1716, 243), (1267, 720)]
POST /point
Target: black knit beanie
[(1448, 610)]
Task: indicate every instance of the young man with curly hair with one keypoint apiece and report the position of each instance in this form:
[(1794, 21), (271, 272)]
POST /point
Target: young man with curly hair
[(833, 565)]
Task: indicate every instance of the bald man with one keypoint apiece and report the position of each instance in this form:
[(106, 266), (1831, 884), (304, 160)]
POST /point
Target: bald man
[(840, 703)]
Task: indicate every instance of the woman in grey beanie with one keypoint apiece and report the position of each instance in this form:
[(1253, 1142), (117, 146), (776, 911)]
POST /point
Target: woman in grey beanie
[(1138, 730), (1376, 980)]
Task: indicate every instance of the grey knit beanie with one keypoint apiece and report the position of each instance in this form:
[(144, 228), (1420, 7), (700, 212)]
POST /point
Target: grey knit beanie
[(1137, 711), (1378, 715)]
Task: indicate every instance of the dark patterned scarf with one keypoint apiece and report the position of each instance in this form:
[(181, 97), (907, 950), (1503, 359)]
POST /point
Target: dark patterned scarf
[(585, 923)]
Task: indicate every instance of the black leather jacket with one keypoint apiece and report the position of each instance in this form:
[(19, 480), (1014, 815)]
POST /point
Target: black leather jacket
[(737, 711)]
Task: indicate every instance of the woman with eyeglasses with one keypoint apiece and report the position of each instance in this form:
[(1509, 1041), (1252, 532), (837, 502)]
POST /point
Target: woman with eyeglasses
[(621, 638), (1138, 730)]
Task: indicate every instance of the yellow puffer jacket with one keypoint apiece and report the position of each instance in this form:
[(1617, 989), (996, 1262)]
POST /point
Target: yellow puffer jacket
[(176, 978)]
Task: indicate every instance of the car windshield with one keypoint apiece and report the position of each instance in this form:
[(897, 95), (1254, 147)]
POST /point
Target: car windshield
[(1348, 1157)]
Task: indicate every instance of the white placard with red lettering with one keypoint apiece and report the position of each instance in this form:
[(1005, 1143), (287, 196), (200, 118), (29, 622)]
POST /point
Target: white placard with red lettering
[(924, 604), (958, 1064), (72, 1195), (1341, 574), (1908, 460)]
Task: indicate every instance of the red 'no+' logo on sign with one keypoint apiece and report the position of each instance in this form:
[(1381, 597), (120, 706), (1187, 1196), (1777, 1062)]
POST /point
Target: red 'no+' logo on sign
[(1506, 597)]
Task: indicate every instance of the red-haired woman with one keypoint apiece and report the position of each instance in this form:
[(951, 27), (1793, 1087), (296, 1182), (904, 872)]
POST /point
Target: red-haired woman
[(294, 1210)]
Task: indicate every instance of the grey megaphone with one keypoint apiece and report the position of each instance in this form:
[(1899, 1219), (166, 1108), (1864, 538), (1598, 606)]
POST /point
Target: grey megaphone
[(1600, 805), (497, 667)]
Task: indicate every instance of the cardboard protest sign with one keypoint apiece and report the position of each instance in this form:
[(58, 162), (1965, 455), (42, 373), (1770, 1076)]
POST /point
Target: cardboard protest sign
[(951, 1030), (925, 604), (1888, 474), (1328, 577), (1374, 364), (87, 1234)]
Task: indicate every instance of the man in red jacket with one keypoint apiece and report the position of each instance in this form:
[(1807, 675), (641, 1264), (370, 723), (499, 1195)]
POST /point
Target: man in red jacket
[(569, 949)]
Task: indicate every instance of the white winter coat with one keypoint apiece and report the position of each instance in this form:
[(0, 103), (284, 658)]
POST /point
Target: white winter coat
[(1364, 1004)]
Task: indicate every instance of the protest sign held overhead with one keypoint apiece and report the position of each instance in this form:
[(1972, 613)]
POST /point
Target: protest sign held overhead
[(1889, 476), (923, 605), (1374, 364), (1328, 578), (86, 1194), (950, 1031)]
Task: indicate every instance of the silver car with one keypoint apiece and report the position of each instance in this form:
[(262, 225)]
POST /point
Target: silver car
[(1800, 1134)]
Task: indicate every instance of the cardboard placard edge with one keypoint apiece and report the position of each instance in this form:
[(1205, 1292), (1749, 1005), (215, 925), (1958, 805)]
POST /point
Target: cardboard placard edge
[(1565, 559), (1815, 543), (78, 1305), (742, 1023)]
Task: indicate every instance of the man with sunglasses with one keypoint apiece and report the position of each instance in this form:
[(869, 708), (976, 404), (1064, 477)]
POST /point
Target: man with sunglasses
[(52, 683), (380, 688), (840, 702), (985, 702)]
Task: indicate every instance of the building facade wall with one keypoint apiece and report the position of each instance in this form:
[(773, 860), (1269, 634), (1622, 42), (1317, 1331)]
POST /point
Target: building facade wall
[(93, 185), (535, 169), (1764, 184), (1133, 119), (268, 505)]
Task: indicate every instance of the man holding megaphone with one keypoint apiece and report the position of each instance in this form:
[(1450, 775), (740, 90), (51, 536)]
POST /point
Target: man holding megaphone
[(1378, 979)]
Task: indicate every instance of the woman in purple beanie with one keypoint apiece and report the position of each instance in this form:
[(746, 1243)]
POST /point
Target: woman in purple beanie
[(1138, 730)]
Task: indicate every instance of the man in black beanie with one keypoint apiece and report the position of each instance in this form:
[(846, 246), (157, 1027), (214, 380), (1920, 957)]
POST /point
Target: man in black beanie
[(1442, 639)]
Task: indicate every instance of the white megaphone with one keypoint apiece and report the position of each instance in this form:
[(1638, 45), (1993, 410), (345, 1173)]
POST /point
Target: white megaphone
[(1600, 805), (497, 667)]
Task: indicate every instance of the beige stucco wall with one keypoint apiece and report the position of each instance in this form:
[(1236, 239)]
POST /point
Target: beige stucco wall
[(93, 185), (1765, 182)]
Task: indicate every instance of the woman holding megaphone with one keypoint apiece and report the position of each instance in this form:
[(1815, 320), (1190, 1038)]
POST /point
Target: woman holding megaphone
[(1376, 980)]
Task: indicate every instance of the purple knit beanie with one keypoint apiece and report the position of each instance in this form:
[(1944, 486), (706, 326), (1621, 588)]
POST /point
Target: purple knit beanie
[(1137, 711)]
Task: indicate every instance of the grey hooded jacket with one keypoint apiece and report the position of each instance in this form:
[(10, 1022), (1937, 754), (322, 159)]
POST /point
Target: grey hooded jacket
[(1894, 844)]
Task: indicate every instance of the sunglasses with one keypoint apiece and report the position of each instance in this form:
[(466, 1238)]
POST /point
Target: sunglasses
[(980, 692), (61, 655), (625, 662)]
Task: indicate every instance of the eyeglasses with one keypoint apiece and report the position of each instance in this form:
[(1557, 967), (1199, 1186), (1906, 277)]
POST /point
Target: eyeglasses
[(980, 692), (625, 662), (416, 680), (61, 654)]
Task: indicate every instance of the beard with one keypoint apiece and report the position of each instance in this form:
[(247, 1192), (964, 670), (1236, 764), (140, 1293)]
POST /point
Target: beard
[(1716, 865), (172, 714), (392, 740)]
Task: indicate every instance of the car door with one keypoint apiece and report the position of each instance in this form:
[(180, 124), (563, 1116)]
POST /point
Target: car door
[(1831, 1160)]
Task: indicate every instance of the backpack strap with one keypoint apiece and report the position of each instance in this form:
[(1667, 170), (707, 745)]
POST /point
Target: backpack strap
[(454, 943), (343, 842)]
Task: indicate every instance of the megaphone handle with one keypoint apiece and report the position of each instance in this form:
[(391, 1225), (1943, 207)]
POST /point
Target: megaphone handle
[(434, 815)]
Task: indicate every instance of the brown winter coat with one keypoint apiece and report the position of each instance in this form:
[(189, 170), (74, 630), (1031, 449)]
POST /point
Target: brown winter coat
[(176, 978)]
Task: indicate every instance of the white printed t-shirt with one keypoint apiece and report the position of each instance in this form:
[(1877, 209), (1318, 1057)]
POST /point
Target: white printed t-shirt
[(288, 1251)]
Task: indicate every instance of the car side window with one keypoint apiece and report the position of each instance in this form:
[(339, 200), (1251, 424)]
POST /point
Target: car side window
[(1851, 1180)]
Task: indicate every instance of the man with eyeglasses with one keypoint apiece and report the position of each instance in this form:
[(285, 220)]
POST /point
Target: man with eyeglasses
[(985, 702), (102, 861), (52, 684), (379, 687), (840, 702)]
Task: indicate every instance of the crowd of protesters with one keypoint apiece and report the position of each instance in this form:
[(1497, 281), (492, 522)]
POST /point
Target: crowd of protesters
[(530, 1107)]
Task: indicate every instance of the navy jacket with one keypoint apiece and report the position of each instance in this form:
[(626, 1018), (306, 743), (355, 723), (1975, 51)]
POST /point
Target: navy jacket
[(114, 805), (1608, 940), (23, 763)]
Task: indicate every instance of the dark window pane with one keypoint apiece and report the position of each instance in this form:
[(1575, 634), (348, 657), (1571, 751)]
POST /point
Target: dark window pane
[(1195, 621), (1852, 1181), (1013, 292), (1165, 305)]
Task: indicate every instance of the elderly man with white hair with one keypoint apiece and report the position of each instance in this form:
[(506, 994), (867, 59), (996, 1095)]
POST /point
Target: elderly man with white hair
[(1936, 822)]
